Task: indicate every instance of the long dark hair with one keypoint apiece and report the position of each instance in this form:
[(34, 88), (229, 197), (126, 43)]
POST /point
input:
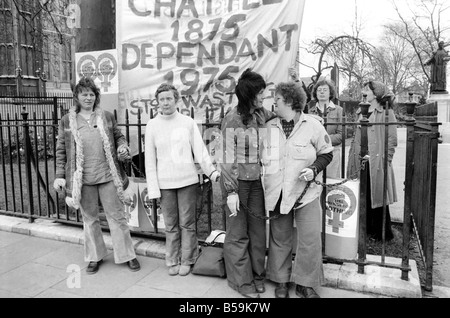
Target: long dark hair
[(86, 83), (249, 85)]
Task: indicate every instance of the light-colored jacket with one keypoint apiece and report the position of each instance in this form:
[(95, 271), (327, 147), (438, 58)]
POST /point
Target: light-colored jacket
[(283, 160), (376, 147)]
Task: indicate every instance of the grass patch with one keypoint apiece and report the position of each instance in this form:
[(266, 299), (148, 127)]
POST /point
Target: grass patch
[(394, 248), (14, 192)]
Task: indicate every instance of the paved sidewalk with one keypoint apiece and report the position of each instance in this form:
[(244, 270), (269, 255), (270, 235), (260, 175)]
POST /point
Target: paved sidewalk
[(43, 259), (41, 268)]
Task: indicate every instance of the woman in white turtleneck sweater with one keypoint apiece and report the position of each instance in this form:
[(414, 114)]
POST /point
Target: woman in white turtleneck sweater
[(173, 144)]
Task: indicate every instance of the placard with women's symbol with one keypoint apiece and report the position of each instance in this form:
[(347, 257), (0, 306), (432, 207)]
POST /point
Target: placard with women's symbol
[(149, 210), (102, 67), (341, 224), (132, 210), (142, 218)]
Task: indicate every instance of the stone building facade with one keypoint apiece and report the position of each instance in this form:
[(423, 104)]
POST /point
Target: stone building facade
[(37, 46)]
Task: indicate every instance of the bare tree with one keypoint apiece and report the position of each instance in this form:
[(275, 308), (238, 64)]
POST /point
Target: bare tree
[(394, 61), (350, 52), (46, 8), (422, 27)]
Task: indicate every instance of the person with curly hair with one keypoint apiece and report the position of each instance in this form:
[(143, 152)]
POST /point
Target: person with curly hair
[(296, 149)]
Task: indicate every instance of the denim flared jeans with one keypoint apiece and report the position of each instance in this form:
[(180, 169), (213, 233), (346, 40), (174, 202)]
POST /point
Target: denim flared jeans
[(307, 268), (94, 245), (179, 208)]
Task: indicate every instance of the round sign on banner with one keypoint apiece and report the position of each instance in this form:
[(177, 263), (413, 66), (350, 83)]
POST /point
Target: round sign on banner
[(87, 67), (340, 205)]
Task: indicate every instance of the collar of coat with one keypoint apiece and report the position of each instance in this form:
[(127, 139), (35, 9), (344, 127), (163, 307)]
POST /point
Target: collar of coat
[(77, 180), (316, 107)]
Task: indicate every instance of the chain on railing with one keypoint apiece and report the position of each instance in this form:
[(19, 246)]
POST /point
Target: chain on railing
[(298, 203)]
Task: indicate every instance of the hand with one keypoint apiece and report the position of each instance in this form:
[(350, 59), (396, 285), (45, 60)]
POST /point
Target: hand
[(71, 203), (233, 203), (59, 184), (215, 176), (293, 74), (147, 203), (123, 153), (306, 174), (128, 196)]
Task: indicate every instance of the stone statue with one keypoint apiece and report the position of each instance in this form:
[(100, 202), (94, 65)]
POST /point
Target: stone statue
[(438, 62)]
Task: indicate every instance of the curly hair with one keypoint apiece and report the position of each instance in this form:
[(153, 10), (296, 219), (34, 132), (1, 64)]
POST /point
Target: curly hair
[(165, 87), (249, 85), (84, 84), (293, 94), (331, 86)]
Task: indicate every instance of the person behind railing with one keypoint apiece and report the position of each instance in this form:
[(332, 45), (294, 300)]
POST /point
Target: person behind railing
[(88, 150), (296, 149), (324, 92), (378, 95), (245, 239), (173, 145)]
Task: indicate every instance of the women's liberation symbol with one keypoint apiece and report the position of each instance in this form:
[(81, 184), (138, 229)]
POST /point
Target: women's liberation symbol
[(103, 68)]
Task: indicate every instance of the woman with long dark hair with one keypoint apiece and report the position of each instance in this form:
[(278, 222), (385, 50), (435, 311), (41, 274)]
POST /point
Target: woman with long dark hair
[(245, 240)]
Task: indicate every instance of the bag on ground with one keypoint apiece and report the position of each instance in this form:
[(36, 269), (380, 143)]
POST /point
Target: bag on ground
[(210, 261)]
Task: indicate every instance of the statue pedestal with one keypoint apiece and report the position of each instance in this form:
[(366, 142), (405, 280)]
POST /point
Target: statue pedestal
[(443, 103)]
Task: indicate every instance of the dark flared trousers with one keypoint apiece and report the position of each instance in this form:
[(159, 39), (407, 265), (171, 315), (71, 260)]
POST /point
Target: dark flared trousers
[(245, 240)]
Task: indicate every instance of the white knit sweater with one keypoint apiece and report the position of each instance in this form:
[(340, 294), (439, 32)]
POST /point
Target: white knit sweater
[(173, 144)]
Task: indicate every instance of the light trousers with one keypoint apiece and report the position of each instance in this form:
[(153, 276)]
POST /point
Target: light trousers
[(94, 245), (307, 268), (178, 207)]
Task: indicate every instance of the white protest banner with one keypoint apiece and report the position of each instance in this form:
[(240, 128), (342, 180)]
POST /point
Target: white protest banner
[(101, 66), (202, 47)]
